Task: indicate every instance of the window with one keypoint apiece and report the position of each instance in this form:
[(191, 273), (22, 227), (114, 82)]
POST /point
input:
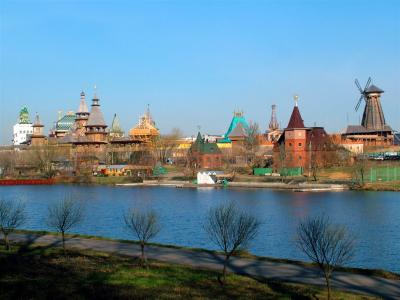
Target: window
[(300, 157), (299, 144), (290, 144)]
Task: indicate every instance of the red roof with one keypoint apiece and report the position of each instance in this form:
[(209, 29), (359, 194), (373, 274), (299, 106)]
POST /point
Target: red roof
[(295, 119)]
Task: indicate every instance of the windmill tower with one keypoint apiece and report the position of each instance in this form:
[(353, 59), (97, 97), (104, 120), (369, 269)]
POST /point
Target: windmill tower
[(373, 117)]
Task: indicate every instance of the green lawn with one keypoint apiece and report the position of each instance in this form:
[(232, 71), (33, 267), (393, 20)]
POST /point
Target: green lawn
[(44, 273)]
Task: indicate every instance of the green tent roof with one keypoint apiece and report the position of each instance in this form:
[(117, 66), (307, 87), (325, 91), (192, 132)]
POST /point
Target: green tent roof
[(237, 118)]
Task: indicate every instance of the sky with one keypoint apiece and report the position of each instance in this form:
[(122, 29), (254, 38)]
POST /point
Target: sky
[(195, 62)]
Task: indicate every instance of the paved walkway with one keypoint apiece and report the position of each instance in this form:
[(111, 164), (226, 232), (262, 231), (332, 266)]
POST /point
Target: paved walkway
[(374, 286)]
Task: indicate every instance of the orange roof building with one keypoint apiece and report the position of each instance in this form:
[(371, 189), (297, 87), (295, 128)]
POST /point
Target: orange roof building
[(146, 128)]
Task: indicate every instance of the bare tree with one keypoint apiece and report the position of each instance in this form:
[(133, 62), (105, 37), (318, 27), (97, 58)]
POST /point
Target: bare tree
[(252, 142), (7, 162), (163, 145), (326, 244), (64, 215), (314, 165), (43, 157), (231, 230), (12, 215), (360, 168), (282, 160), (144, 225)]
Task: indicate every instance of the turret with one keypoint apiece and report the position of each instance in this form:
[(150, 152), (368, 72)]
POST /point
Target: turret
[(37, 138), (96, 126), (82, 116)]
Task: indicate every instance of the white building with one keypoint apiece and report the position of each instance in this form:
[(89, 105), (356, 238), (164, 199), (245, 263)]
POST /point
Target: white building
[(23, 130), (353, 147)]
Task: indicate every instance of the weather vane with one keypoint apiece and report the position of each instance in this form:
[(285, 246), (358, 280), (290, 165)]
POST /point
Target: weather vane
[(296, 99)]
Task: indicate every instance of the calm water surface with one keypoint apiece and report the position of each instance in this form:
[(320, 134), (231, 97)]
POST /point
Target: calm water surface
[(373, 217)]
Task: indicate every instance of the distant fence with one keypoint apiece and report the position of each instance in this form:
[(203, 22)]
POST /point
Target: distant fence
[(262, 171), (383, 174), (298, 171), (291, 171)]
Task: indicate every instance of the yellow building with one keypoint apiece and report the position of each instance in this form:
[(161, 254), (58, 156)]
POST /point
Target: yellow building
[(145, 129)]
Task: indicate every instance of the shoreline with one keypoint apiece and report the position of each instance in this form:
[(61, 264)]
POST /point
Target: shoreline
[(291, 186), (297, 187)]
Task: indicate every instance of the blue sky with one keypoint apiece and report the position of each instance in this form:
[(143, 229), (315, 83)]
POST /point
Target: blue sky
[(195, 62)]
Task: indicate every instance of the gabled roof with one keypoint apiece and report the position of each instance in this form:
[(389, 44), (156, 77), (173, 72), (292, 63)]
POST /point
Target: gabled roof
[(359, 129), (296, 120), (96, 118), (239, 131), (373, 89)]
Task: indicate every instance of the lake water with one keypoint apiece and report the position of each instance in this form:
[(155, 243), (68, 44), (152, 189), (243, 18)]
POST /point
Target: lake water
[(373, 217)]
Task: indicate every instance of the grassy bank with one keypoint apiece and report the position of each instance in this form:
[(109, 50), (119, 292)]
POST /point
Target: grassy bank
[(109, 180), (45, 273), (383, 186), (243, 254)]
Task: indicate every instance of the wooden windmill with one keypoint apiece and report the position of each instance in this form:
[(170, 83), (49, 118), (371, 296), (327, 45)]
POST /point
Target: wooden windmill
[(373, 117)]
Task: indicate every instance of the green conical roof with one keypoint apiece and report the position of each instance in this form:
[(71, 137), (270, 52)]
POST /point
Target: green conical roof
[(115, 126)]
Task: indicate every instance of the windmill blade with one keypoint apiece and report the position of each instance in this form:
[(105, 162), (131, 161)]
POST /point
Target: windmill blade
[(359, 102), (358, 85), (368, 83)]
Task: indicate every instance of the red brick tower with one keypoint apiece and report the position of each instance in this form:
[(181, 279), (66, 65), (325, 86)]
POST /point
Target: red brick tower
[(295, 141)]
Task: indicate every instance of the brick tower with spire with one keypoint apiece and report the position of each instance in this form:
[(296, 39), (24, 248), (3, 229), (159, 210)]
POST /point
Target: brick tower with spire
[(299, 145)]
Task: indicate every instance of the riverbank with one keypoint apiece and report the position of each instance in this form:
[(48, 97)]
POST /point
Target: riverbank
[(259, 268), (45, 273), (297, 187), (297, 184)]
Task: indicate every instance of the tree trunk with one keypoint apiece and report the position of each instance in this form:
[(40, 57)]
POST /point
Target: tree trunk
[(328, 285), (63, 241), (7, 242), (224, 269), (315, 175), (142, 258), (362, 177)]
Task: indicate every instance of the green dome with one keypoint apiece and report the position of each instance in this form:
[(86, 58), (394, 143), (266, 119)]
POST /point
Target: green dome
[(24, 116)]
